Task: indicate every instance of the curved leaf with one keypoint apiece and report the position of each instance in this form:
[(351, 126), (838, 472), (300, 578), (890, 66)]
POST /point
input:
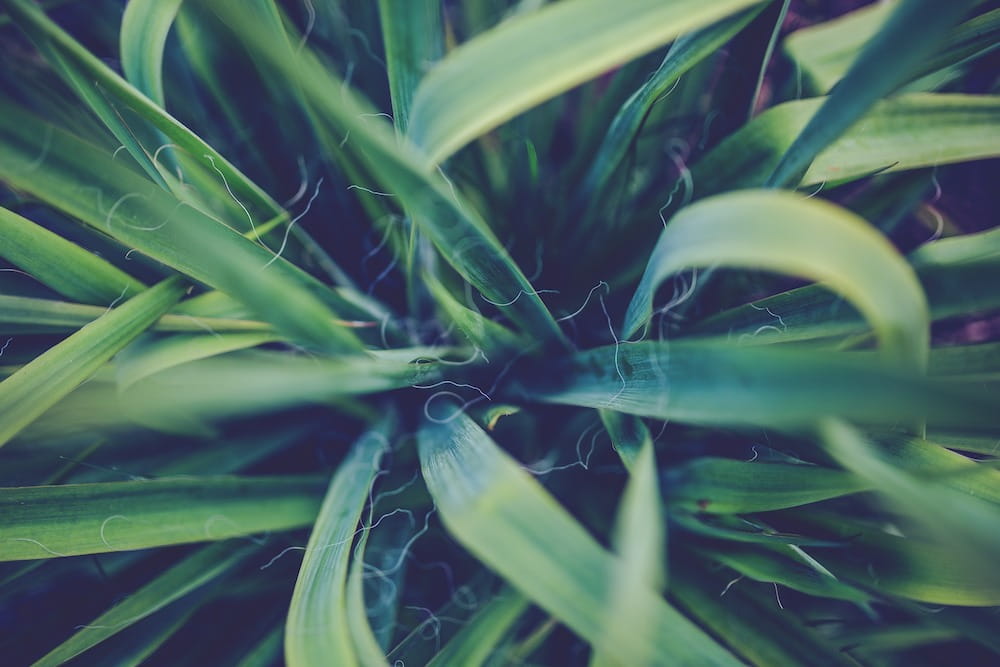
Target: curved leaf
[(784, 232), (536, 56), (145, 25), (317, 632)]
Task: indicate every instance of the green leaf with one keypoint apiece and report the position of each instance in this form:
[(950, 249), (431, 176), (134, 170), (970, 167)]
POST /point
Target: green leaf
[(413, 34), (133, 646), (267, 652), (714, 382), (484, 333), (317, 632), (145, 25), (957, 275), (478, 638), (917, 565), (906, 132), (686, 52), (765, 565), (146, 218), (640, 541), (193, 572), (74, 519), (149, 356), (61, 265), (825, 51), (529, 59), (460, 234), (507, 520), (77, 67), (760, 634), (257, 382), (885, 63), (629, 435), (39, 385), (365, 642), (20, 314), (725, 486), (958, 250), (952, 522), (82, 69), (784, 232), (932, 462)]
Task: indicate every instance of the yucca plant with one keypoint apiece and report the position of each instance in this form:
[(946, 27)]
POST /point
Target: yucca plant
[(632, 332)]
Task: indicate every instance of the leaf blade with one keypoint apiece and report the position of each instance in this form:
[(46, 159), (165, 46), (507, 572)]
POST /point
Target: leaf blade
[(76, 519), (40, 384), (809, 238), (550, 558), (544, 53)]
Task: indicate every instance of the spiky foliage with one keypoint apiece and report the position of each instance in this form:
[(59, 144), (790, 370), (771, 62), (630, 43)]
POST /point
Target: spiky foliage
[(483, 332)]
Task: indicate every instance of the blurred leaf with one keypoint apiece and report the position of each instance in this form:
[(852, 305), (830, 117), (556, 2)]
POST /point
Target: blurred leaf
[(640, 542), (825, 51), (74, 519), (958, 524), (28, 315), (478, 638), (267, 651), (258, 382), (148, 356), (81, 68), (501, 514), (758, 633), (725, 486), (39, 385)]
